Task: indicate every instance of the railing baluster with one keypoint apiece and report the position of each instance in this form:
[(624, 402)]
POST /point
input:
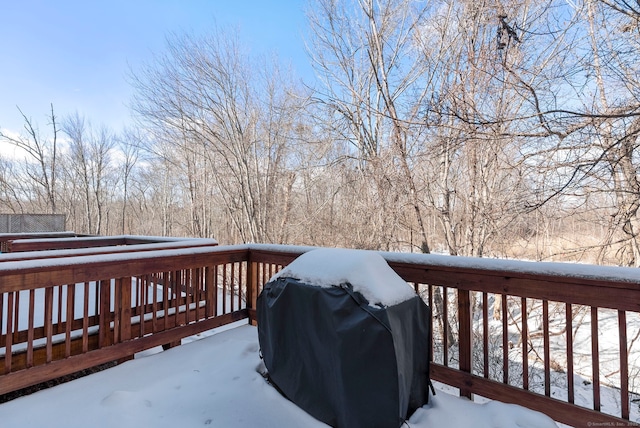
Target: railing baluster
[(176, 286), (125, 309), (505, 340), (71, 288), (96, 301), (104, 336), (260, 276), (547, 350), (165, 299), (48, 322), (117, 301), (252, 288), (242, 282), (569, 337), (209, 290), (85, 317), (195, 294), (202, 287), (266, 272), (238, 284), (189, 294), (430, 298), (142, 284), (136, 301), (485, 334), (465, 336), (445, 323), (525, 344), (2, 322), (155, 301), (16, 317), (218, 296), (60, 311), (232, 286), (216, 286), (197, 286), (225, 267), (10, 328), (30, 334), (595, 362), (203, 290), (624, 364)]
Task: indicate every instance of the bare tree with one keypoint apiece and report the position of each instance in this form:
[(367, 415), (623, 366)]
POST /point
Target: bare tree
[(130, 146), (476, 184), (373, 81), (589, 146), (90, 162), (615, 69), (226, 127), (41, 159), (11, 198)]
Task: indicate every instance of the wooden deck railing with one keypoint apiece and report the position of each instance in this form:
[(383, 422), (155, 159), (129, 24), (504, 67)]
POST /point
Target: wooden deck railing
[(108, 249), (15, 243), (6, 238), (518, 332), (60, 316)]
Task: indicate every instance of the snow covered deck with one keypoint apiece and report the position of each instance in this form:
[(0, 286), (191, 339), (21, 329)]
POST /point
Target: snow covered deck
[(558, 338), (214, 382)]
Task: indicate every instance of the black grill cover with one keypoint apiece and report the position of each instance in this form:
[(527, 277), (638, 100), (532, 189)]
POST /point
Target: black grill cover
[(345, 362)]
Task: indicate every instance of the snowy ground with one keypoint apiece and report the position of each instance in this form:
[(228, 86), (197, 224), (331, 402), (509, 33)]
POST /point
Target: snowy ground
[(214, 382)]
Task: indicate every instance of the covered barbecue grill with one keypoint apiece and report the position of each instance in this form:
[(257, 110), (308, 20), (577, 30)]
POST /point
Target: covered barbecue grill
[(346, 339)]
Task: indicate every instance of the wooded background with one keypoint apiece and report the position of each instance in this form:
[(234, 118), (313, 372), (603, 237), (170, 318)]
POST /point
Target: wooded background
[(491, 128)]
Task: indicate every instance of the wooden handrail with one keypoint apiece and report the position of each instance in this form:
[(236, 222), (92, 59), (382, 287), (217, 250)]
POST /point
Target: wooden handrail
[(73, 242), (5, 238), (101, 250), (34, 235)]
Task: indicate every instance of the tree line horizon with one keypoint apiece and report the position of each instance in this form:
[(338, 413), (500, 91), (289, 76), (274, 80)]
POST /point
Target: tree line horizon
[(486, 129)]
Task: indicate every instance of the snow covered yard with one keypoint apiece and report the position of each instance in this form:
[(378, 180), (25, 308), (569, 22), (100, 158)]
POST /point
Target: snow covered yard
[(214, 382)]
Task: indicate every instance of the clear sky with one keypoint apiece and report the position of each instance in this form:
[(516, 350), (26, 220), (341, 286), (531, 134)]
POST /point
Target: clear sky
[(76, 53)]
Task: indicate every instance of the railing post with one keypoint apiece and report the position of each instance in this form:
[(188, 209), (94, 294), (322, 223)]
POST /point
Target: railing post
[(122, 314), (125, 309), (104, 333), (252, 288), (465, 338), (210, 292)]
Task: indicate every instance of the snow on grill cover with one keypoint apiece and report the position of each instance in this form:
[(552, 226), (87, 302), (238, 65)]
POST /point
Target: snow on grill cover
[(346, 339)]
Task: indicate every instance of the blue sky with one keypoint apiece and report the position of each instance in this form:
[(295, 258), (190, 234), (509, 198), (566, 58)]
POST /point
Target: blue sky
[(76, 54)]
